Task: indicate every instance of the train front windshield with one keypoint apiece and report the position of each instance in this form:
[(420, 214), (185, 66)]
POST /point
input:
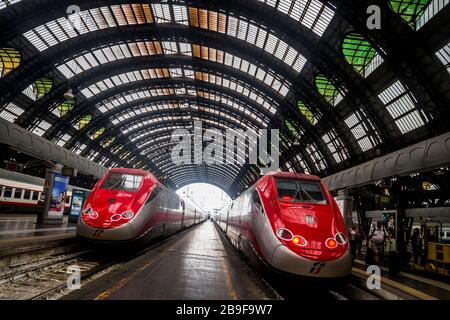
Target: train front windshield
[(290, 190), (122, 181)]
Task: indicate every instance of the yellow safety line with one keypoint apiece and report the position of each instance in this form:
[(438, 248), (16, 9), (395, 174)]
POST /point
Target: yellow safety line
[(427, 281), (105, 294), (402, 287), (228, 281)]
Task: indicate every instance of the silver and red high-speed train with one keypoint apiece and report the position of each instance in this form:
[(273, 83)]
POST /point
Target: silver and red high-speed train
[(292, 223), (131, 204)]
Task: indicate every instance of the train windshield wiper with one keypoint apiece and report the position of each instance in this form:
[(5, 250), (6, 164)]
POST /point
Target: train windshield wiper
[(309, 196), (118, 182)]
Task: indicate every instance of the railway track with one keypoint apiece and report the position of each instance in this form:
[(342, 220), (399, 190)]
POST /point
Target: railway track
[(44, 277)]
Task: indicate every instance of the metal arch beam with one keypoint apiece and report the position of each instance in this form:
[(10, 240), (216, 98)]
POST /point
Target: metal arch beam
[(285, 67), (141, 129), (13, 18), (199, 173), (304, 37), (29, 143), (19, 78), (224, 175), (126, 142), (117, 67), (103, 121), (237, 7), (143, 117), (270, 59), (90, 104), (164, 141), (408, 55), (184, 182)]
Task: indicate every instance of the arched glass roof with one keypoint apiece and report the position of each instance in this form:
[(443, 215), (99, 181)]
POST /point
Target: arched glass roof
[(338, 94)]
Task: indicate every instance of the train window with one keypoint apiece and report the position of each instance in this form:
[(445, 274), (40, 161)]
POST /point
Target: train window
[(8, 192), (1, 191), (290, 190), (153, 194), (122, 181), (35, 195), (256, 200), (18, 194), (27, 194), (68, 199)]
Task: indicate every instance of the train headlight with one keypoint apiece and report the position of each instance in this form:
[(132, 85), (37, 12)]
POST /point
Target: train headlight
[(331, 243), (127, 215), (87, 211), (299, 241), (340, 238), (285, 234), (115, 217)]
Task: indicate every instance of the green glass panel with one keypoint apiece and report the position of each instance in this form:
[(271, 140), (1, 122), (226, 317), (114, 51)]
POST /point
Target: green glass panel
[(41, 87), (98, 133), (107, 142), (65, 107), (292, 128), (410, 10), (326, 88), (306, 112), (9, 60), (84, 121), (358, 52)]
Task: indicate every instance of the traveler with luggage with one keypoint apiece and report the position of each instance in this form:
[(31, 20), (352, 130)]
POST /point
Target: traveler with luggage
[(376, 241)]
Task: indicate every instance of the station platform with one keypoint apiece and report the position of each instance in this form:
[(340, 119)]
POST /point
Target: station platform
[(22, 228), (410, 284), (196, 264)]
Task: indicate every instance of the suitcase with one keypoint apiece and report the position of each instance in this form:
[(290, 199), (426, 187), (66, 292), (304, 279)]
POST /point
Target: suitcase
[(370, 257), (394, 262)]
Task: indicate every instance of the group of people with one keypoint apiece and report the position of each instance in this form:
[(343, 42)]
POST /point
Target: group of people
[(375, 242)]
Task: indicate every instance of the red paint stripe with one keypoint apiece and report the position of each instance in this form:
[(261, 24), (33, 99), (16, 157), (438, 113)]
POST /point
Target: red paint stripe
[(22, 204)]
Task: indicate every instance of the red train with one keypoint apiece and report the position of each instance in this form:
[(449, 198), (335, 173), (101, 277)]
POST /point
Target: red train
[(131, 204), (292, 223)]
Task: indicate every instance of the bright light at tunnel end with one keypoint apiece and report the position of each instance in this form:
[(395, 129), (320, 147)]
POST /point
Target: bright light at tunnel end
[(206, 196)]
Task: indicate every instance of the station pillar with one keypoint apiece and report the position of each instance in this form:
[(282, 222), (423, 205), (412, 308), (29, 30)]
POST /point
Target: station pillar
[(53, 197), (345, 204)]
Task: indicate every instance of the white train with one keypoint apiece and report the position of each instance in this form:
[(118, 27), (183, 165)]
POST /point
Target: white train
[(21, 192)]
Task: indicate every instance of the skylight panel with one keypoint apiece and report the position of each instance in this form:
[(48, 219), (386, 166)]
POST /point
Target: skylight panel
[(41, 128), (180, 14), (317, 158), (4, 4), (444, 56), (312, 14), (363, 130), (11, 112), (401, 105), (35, 40), (169, 47), (161, 12)]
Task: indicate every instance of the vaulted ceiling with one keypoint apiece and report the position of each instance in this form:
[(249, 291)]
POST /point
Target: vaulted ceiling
[(339, 92)]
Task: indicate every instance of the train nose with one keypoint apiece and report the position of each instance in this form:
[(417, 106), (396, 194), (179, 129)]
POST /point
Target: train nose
[(313, 264)]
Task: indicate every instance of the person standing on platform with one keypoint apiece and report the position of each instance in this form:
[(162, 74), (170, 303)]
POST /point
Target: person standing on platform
[(359, 238), (415, 245), (376, 240), (353, 241)]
